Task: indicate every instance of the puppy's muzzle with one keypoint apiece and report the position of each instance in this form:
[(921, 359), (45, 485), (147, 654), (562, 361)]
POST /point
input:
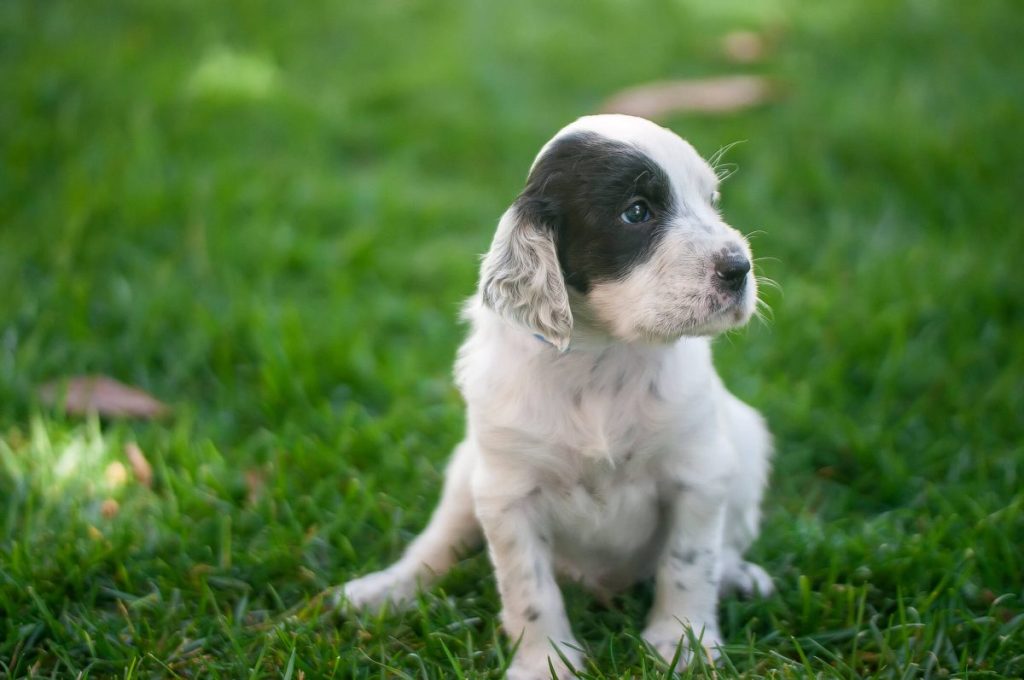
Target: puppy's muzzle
[(731, 269)]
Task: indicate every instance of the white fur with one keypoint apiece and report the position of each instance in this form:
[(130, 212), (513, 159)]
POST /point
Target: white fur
[(620, 459)]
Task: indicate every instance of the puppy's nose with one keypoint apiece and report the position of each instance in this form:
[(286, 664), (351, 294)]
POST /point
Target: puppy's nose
[(731, 270)]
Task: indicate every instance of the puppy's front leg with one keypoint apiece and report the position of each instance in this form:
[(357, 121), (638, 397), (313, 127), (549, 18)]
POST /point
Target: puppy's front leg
[(532, 609), (688, 573)]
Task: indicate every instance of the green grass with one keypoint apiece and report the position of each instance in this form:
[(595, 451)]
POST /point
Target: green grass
[(267, 215)]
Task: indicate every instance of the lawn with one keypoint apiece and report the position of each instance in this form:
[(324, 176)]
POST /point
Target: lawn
[(267, 214)]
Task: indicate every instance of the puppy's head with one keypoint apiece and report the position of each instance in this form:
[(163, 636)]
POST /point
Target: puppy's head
[(618, 224)]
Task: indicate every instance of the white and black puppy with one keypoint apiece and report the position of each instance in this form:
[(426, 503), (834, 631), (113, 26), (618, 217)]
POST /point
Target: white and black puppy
[(601, 444)]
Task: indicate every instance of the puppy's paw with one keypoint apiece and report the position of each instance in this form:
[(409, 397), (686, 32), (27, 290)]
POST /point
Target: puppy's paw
[(531, 663), (377, 590), (747, 579), (667, 636)]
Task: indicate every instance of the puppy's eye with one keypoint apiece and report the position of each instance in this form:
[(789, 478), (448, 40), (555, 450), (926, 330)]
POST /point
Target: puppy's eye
[(636, 213), (715, 198)]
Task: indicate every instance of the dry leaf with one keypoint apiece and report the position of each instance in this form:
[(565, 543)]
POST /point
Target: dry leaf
[(109, 508), (96, 393), (870, 658), (743, 47), (141, 468), (255, 482), (710, 657), (199, 570), (116, 475), (706, 95)]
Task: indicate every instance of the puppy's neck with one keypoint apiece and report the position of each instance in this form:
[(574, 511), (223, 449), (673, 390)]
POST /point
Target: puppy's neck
[(588, 340), (590, 335)]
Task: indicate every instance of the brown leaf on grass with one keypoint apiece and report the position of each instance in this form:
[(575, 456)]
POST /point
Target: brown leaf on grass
[(84, 394), (255, 482), (199, 570), (703, 95), (109, 508), (116, 475), (868, 658), (141, 468), (743, 47), (826, 472)]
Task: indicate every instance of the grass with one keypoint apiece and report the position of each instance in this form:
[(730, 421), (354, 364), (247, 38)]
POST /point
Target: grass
[(268, 214)]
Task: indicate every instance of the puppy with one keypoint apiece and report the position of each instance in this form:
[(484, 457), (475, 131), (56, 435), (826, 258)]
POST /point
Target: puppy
[(601, 445)]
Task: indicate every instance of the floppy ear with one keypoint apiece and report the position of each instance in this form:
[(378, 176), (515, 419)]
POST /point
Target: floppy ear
[(521, 279)]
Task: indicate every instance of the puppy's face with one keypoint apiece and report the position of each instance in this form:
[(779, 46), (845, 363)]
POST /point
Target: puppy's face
[(632, 211)]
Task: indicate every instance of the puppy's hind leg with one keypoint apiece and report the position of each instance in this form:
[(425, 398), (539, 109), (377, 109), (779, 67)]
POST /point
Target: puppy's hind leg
[(752, 441), (452, 528)]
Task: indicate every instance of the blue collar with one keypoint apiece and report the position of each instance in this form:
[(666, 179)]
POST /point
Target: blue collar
[(549, 343)]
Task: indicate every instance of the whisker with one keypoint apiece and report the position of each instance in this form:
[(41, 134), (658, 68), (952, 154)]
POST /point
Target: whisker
[(717, 156), (726, 170), (770, 283), (764, 312)]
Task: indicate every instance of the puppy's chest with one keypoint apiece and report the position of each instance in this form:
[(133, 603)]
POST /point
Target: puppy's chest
[(610, 508), (613, 412), (616, 421)]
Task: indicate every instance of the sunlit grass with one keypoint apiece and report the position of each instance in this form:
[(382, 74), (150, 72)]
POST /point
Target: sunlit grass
[(224, 74)]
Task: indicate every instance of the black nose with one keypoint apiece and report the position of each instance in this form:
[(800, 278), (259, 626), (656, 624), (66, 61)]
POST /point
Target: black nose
[(731, 271)]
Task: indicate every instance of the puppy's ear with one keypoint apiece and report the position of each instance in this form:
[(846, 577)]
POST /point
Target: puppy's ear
[(522, 281)]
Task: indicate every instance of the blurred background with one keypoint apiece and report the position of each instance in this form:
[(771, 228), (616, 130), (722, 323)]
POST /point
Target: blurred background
[(266, 215)]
